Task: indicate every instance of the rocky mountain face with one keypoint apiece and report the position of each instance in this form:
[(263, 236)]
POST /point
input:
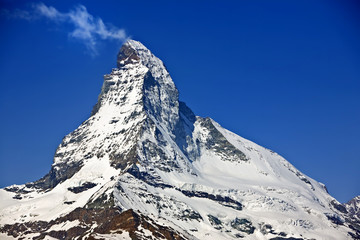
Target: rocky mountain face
[(352, 210), (143, 166)]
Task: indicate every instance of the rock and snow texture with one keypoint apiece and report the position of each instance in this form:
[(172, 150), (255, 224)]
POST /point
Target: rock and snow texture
[(353, 208), (143, 166)]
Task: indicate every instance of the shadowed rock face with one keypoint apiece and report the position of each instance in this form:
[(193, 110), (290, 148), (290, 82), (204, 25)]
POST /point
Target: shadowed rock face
[(218, 143), (56, 175), (85, 186), (353, 207), (353, 216)]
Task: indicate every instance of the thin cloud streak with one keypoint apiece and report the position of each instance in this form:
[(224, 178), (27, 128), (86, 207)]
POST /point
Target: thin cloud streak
[(86, 28), (17, 13), (49, 12)]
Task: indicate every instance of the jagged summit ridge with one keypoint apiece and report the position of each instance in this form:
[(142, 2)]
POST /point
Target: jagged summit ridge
[(143, 165), (160, 97)]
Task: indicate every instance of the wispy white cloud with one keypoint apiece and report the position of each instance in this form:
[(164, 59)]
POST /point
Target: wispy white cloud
[(49, 12), (86, 28), (17, 13)]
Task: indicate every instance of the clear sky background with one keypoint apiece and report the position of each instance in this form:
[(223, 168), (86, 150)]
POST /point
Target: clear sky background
[(284, 74)]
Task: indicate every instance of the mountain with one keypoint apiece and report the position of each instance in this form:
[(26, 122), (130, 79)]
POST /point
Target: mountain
[(143, 166)]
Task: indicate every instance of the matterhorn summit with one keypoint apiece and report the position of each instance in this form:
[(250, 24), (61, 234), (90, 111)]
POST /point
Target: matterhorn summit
[(144, 166)]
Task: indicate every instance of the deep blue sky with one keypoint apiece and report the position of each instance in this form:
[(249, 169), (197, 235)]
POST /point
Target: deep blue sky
[(285, 74)]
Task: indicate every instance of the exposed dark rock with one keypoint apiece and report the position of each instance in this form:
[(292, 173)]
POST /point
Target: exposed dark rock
[(114, 121), (338, 206), (334, 219), (353, 224), (237, 235), (353, 208), (17, 190), (18, 228), (151, 87), (122, 160), (17, 196), (102, 221), (153, 152), (147, 178), (355, 235), (225, 201), (96, 107), (190, 214), (214, 221), (58, 173), (266, 228), (102, 202), (243, 225), (304, 179), (85, 186), (126, 55), (218, 143)]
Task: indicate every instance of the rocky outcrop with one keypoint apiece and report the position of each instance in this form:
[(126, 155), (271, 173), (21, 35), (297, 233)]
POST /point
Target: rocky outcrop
[(352, 209), (95, 224)]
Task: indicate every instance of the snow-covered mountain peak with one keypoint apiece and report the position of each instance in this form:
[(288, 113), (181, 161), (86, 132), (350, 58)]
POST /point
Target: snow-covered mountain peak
[(140, 71), (135, 49), (143, 166), (136, 45)]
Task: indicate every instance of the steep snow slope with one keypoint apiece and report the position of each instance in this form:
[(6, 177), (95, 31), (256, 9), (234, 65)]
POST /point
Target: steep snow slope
[(143, 165)]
